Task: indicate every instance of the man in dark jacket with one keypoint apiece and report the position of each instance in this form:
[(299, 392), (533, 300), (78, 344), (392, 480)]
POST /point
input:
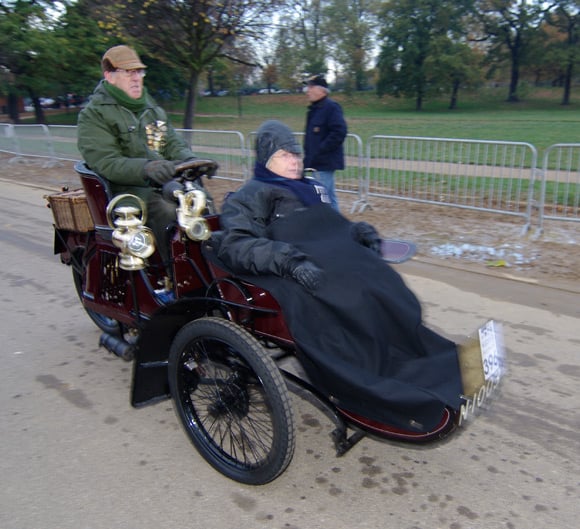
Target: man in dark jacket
[(324, 135), (124, 136)]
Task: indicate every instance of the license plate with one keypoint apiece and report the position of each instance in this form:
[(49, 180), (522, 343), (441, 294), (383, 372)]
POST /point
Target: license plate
[(481, 380), (492, 350)]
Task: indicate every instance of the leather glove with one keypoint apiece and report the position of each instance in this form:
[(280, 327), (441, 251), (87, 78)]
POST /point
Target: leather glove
[(366, 234), (307, 274), (159, 171)]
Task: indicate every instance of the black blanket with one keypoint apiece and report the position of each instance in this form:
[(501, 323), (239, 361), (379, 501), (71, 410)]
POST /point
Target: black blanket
[(360, 335)]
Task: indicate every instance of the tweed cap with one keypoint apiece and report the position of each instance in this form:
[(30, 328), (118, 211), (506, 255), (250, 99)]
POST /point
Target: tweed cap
[(122, 57)]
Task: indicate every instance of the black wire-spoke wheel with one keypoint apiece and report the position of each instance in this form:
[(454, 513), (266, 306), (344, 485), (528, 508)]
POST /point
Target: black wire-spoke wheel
[(232, 400), (106, 324)]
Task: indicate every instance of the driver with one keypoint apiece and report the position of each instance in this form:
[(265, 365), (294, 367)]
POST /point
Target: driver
[(125, 136)]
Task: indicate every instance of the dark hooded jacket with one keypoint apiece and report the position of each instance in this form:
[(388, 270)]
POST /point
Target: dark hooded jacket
[(360, 335), (246, 246)]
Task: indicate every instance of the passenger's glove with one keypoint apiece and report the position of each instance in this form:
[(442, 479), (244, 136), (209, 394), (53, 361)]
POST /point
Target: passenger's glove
[(159, 171), (366, 234), (307, 274)]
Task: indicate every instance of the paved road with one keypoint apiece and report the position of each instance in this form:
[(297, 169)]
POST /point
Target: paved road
[(75, 455)]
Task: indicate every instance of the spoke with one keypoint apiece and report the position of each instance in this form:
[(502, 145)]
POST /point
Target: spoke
[(228, 403)]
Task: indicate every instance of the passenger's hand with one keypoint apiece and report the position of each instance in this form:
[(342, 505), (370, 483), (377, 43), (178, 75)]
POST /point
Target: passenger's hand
[(366, 234), (159, 171), (308, 275)]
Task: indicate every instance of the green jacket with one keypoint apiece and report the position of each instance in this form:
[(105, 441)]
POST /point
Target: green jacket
[(117, 143)]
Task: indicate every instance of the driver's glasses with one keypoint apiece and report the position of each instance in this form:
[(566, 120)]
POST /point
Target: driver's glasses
[(139, 72)]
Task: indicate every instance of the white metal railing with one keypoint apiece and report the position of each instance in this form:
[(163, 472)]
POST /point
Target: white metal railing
[(224, 146), (560, 189), (7, 138), (494, 176)]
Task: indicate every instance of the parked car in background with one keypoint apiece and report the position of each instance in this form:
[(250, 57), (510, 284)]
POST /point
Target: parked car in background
[(47, 102)]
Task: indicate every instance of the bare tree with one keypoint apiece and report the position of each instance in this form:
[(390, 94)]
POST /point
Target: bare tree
[(188, 34)]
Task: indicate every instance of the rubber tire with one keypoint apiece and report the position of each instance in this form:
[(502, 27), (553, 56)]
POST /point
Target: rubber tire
[(106, 324), (232, 400)]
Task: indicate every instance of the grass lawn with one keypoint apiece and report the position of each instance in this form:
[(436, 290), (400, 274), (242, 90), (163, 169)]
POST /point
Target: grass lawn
[(539, 120)]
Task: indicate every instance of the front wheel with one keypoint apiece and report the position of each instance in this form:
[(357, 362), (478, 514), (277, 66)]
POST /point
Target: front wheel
[(232, 400)]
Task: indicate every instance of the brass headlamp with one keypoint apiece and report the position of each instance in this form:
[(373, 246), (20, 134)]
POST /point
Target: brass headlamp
[(130, 234), (191, 205)]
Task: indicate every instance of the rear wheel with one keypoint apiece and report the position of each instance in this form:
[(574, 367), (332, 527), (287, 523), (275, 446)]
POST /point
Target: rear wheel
[(106, 324), (232, 400)]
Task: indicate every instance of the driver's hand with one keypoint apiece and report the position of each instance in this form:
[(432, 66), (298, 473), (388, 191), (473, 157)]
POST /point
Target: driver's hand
[(159, 171)]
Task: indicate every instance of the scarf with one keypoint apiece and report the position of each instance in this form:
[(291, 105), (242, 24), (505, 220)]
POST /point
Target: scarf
[(306, 190), (134, 105)]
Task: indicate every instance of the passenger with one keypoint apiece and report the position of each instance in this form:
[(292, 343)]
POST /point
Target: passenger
[(126, 137), (357, 327)]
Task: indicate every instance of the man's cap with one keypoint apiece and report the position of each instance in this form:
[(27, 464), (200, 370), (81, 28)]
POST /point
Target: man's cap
[(273, 135), (316, 80), (123, 57)]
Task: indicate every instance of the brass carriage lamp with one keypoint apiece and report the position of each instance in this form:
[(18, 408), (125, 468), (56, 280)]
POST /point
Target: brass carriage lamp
[(191, 205), (135, 240)]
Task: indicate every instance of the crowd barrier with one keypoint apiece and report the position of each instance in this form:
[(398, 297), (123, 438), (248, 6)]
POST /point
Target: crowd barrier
[(491, 176), (480, 175), (560, 183)]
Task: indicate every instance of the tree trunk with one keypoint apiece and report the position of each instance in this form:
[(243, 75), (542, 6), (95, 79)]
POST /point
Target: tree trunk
[(38, 110), (419, 102), (567, 84), (515, 77), (13, 108), (210, 84), (188, 118), (454, 92)]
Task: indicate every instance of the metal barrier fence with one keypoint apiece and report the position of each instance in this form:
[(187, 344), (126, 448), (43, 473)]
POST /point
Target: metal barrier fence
[(64, 142), (7, 139), (225, 147), (472, 174), (29, 140), (496, 177), (560, 190)]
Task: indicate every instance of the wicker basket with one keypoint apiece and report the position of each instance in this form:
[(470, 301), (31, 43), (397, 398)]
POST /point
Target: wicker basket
[(71, 211)]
